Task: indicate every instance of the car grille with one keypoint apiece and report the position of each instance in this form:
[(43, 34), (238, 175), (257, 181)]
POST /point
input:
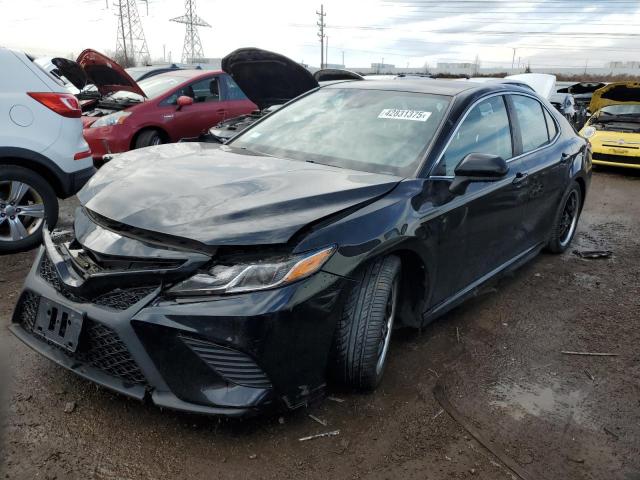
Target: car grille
[(616, 158), (117, 299), (234, 366), (99, 345)]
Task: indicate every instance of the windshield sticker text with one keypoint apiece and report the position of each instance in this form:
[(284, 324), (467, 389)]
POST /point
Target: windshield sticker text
[(396, 114)]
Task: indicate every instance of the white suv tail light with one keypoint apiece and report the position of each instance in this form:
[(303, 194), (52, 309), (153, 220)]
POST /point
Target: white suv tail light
[(63, 104)]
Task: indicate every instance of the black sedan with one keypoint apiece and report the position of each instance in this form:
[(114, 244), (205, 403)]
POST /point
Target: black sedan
[(229, 279)]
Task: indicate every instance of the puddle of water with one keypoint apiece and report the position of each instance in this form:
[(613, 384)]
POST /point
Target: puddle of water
[(538, 400)]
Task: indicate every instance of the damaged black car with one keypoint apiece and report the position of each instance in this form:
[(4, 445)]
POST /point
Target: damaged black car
[(238, 278)]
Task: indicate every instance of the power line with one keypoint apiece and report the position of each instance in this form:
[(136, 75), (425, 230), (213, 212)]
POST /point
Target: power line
[(192, 50), (131, 42)]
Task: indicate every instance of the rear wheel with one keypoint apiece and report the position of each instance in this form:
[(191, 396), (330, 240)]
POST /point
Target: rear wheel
[(566, 220), (363, 333), (149, 138), (26, 201)]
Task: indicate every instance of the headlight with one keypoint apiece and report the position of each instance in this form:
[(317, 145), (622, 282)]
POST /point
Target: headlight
[(588, 132), (256, 275), (109, 120)]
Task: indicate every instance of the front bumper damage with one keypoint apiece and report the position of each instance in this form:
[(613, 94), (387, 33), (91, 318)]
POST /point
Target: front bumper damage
[(228, 355)]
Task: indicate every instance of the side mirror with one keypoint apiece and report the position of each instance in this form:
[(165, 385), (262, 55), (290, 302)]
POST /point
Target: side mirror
[(184, 101), (477, 167)]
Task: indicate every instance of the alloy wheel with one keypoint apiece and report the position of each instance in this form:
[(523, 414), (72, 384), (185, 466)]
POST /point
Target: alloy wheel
[(21, 210), (569, 218)]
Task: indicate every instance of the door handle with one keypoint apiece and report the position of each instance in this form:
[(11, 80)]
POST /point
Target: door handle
[(222, 110), (520, 178)]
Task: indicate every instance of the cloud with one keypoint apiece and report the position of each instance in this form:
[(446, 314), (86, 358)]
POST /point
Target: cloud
[(552, 32)]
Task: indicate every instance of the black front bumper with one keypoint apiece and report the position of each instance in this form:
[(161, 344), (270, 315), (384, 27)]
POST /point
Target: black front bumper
[(228, 355)]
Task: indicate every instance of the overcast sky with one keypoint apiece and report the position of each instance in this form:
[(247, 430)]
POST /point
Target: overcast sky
[(546, 33)]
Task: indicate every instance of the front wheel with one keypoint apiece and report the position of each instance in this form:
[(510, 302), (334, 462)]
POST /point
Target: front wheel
[(363, 333), (566, 220), (26, 201), (149, 138)]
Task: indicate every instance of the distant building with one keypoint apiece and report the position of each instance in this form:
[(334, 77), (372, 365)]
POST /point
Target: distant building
[(382, 67), (338, 66), (208, 63), (624, 64)]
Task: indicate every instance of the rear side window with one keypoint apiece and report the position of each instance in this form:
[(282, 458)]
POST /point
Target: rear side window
[(533, 125), (551, 125), (233, 91), (484, 130)]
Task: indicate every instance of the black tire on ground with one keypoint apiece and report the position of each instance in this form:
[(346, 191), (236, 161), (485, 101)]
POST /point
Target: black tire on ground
[(148, 138), (564, 228), (358, 353), (49, 199)]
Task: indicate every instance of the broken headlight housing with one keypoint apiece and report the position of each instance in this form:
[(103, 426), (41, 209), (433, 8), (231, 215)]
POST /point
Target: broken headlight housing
[(232, 277)]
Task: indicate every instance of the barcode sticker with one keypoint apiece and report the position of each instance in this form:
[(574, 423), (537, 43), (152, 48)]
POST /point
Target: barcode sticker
[(397, 114)]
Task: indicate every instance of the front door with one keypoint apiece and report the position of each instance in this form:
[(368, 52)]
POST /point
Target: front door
[(481, 229)]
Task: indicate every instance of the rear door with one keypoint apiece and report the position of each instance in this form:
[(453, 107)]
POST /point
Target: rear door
[(546, 161), (481, 229), (192, 120)]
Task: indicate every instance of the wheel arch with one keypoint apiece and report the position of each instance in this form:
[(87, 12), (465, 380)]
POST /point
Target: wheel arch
[(39, 164), (147, 128)]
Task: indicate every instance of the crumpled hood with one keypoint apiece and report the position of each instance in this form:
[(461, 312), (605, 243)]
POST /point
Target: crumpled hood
[(215, 196), (615, 94), (267, 78)]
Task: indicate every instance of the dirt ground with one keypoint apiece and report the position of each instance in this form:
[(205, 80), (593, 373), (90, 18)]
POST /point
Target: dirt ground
[(498, 357)]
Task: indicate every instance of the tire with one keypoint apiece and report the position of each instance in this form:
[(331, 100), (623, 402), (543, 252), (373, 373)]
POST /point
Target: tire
[(564, 228), (362, 336), (37, 196), (148, 138)]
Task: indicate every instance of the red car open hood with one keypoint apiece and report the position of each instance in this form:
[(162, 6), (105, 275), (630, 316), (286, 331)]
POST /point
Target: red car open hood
[(106, 74)]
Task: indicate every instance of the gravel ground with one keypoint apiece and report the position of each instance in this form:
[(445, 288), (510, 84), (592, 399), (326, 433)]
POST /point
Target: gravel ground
[(497, 357)]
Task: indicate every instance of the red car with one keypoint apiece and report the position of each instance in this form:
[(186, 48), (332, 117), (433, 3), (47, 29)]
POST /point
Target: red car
[(161, 109)]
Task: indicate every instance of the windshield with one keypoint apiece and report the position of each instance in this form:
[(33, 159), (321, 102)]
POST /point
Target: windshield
[(370, 130), (152, 87), (621, 110)]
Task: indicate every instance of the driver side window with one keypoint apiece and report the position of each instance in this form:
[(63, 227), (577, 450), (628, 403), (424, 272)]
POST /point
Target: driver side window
[(484, 130), (205, 90)]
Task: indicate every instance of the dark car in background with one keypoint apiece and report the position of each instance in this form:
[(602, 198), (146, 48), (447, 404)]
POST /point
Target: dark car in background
[(230, 279), (141, 73)]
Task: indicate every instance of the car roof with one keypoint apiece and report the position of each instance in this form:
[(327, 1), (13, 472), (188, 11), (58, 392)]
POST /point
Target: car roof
[(188, 74), (421, 85)]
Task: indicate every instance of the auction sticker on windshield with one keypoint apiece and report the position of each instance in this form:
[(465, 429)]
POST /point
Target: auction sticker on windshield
[(397, 114)]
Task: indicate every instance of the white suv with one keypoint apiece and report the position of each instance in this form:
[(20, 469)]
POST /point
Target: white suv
[(42, 152)]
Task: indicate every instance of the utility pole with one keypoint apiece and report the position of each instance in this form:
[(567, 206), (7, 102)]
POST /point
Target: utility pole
[(192, 49), (343, 64), (513, 59), (586, 64), (326, 48), (321, 25), (131, 42)]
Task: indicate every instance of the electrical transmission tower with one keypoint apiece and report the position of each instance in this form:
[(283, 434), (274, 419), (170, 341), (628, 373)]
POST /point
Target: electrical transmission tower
[(192, 50), (131, 44), (321, 26)]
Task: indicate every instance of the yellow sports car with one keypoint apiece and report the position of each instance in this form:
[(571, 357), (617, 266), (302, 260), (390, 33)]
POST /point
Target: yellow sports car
[(614, 127)]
